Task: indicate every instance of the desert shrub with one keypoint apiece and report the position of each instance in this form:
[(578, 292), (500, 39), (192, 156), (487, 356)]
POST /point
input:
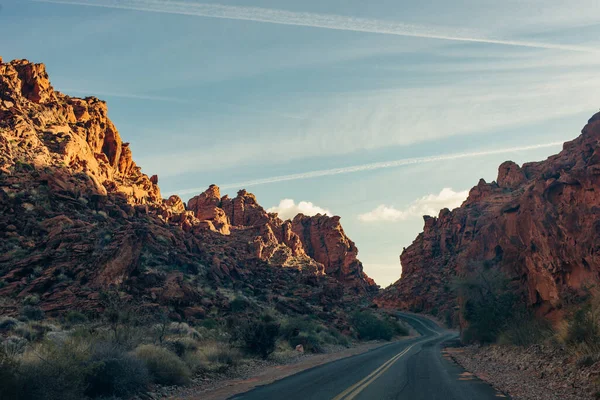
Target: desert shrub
[(213, 356), (8, 323), (583, 327), (525, 329), (370, 327), (31, 300), (210, 323), (55, 371), (180, 346), (488, 304), (75, 318), (114, 372), (59, 336), (164, 366), (239, 304), (32, 313), (181, 328), (9, 382), (28, 332), (310, 341), (257, 336), (14, 345)]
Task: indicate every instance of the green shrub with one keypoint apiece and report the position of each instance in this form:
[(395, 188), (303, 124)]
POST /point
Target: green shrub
[(55, 371), (28, 332), (114, 372), (32, 313), (31, 300), (210, 323), (239, 304), (257, 336), (370, 327), (14, 346), (489, 304), (310, 341), (164, 366), (9, 382), (180, 346), (525, 329), (583, 328), (213, 356), (8, 323), (75, 318)]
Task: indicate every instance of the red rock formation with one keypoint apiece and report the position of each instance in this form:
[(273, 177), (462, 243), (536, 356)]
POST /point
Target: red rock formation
[(77, 216), (539, 223), (323, 239)]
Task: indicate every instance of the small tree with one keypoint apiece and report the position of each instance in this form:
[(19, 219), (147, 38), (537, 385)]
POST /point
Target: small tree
[(487, 304)]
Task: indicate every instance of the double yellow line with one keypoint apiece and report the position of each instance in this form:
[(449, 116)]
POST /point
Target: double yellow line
[(358, 387)]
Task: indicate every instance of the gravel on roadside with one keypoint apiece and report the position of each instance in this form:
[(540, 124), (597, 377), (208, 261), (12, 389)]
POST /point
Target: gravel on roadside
[(538, 372)]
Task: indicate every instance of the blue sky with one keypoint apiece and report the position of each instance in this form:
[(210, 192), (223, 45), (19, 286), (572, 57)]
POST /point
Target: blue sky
[(232, 92)]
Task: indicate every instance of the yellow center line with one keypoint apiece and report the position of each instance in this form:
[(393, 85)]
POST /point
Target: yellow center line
[(359, 386)]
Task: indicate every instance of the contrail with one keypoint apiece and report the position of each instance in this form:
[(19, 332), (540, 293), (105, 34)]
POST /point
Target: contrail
[(325, 21), (371, 167)]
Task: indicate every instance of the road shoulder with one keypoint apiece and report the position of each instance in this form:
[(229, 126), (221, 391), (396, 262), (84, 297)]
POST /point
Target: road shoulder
[(270, 374)]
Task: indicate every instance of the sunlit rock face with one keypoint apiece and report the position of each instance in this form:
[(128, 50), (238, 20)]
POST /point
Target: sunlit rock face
[(77, 216), (539, 223)]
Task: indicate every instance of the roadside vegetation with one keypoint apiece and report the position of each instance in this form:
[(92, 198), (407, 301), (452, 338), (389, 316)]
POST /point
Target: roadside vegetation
[(126, 349), (495, 314)]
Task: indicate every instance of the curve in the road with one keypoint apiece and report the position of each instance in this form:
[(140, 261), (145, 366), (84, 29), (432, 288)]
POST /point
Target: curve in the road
[(408, 369)]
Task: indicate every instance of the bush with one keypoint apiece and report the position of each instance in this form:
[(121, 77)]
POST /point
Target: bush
[(583, 328), (525, 329), (213, 356), (31, 300), (181, 346), (488, 306), (257, 336), (32, 313), (14, 346), (370, 327), (8, 323), (28, 332), (164, 366), (239, 304), (75, 318), (310, 341), (55, 371), (114, 372), (181, 328), (9, 382)]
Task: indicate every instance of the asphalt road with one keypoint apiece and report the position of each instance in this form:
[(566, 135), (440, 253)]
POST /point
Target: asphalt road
[(411, 369)]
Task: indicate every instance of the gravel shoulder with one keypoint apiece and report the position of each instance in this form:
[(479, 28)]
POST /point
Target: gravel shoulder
[(535, 373), (258, 372)]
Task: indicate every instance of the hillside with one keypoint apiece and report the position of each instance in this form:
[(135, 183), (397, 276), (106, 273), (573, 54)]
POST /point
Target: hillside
[(538, 223), (78, 218)]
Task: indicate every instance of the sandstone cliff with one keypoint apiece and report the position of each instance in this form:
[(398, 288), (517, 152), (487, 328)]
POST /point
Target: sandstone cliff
[(77, 216), (539, 223)]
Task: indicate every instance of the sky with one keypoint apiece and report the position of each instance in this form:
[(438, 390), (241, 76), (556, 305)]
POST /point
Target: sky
[(379, 111)]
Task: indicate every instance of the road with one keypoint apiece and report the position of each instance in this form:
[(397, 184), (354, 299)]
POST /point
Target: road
[(412, 369)]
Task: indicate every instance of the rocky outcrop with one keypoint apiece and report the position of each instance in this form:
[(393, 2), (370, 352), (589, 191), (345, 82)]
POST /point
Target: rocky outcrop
[(324, 240), (78, 217), (538, 223)]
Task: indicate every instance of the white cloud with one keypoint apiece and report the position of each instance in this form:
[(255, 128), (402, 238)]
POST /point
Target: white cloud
[(325, 21), (288, 209), (426, 205)]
